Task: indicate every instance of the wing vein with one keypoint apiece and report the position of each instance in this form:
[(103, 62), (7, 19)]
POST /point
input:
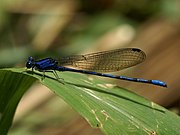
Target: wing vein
[(107, 61)]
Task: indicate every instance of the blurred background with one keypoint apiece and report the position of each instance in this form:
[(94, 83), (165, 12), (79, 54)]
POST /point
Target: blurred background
[(44, 28)]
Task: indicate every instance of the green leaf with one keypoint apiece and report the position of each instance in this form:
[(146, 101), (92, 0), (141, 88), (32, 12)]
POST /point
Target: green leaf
[(114, 110), (12, 87)]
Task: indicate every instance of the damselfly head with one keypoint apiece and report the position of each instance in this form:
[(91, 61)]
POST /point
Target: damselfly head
[(30, 62)]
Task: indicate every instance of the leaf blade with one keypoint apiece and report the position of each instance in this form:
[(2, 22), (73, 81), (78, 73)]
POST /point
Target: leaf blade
[(112, 109), (12, 87)]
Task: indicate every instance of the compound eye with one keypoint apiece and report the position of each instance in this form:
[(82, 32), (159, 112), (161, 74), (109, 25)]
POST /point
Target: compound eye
[(30, 59), (28, 65)]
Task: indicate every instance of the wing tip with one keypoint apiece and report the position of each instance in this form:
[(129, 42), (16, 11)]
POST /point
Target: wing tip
[(136, 49)]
